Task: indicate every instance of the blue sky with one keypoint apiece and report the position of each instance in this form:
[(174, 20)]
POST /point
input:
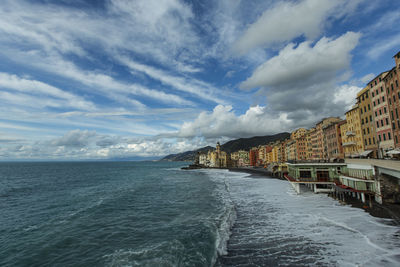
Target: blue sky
[(142, 79)]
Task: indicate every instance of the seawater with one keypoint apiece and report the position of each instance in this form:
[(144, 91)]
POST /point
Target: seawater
[(155, 214)]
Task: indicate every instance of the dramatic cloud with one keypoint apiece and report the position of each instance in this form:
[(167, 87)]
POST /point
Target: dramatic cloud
[(222, 122), (287, 20), (302, 80)]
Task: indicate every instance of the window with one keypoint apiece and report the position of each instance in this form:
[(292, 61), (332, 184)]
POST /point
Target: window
[(365, 109), (392, 115), (370, 118), (369, 107), (382, 89), (397, 113), (373, 94), (382, 123), (380, 139), (380, 112), (397, 83), (383, 98), (384, 137), (393, 126), (374, 104), (366, 119), (365, 141), (369, 139), (377, 124), (376, 114), (373, 140), (376, 92), (368, 130), (384, 110), (361, 111), (375, 82), (387, 121), (395, 137), (362, 121), (378, 101), (366, 95), (364, 131), (391, 85), (305, 174), (398, 94), (398, 124), (380, 79), (390, 101), (394, 98), (362, 97), (389, 136)]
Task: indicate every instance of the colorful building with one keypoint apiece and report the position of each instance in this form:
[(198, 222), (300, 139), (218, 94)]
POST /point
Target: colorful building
[(391, 82), (368, 122), (351, 133), (381, 111)]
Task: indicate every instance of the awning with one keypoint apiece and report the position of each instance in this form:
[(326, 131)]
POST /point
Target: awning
[(365, 153), (393, 152)]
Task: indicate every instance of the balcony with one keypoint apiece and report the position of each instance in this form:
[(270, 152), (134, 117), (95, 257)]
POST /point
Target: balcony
[(352, 143), (350, 133)]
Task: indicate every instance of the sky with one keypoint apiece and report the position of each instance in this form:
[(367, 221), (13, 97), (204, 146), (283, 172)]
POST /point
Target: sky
[(140, 79)]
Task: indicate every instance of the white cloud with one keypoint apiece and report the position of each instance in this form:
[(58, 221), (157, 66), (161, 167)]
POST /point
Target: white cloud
[(304, 62), (192, 86), (287, 20), (36, 93), (222, 122)]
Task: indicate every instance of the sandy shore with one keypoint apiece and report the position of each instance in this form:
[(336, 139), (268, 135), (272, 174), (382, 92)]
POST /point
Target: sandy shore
[(386, 210)]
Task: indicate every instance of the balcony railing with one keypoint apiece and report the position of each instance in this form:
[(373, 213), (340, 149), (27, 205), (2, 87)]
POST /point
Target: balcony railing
[(352, 143), (350, 133)]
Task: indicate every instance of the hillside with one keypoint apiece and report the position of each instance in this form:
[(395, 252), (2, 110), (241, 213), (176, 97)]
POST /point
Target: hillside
[(186, 156), (229, 147)]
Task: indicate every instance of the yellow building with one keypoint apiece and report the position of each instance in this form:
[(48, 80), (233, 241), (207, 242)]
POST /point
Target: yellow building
[(351, 133), (298, 133), (368, 131), (309, 144), (274, 153)]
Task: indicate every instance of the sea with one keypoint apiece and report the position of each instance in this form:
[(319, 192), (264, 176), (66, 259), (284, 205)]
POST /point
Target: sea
[(155, 214)]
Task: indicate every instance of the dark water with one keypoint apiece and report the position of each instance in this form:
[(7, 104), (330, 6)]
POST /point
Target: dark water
[(154, 214)]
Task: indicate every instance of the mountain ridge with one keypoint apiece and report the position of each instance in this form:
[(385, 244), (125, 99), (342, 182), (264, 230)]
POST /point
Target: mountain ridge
[(230, 146)]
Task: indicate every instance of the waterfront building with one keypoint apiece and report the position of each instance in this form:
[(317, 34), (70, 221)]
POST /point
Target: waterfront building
[(309, 144), (320, 151), (368, 122), (351, 133), (282, 151), (333, 140), (301, 148), (381, 111), (314, 144), (235, 155), (244, 157), (391, 81), (298, 133), (274, 153), (320, 177), (253, 156), (358, 181), (203, 159), (291, 150)]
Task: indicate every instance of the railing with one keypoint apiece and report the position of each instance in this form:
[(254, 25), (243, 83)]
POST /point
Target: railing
[(350, 133)]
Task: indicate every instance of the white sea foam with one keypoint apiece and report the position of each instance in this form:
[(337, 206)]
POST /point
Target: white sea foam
[(276, 219)]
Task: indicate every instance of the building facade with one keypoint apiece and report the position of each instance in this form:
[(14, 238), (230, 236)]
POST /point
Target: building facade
[(391, 82), (368, 122)]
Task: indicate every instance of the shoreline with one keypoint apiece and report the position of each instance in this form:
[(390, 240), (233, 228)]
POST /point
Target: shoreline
[(384, 211)]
